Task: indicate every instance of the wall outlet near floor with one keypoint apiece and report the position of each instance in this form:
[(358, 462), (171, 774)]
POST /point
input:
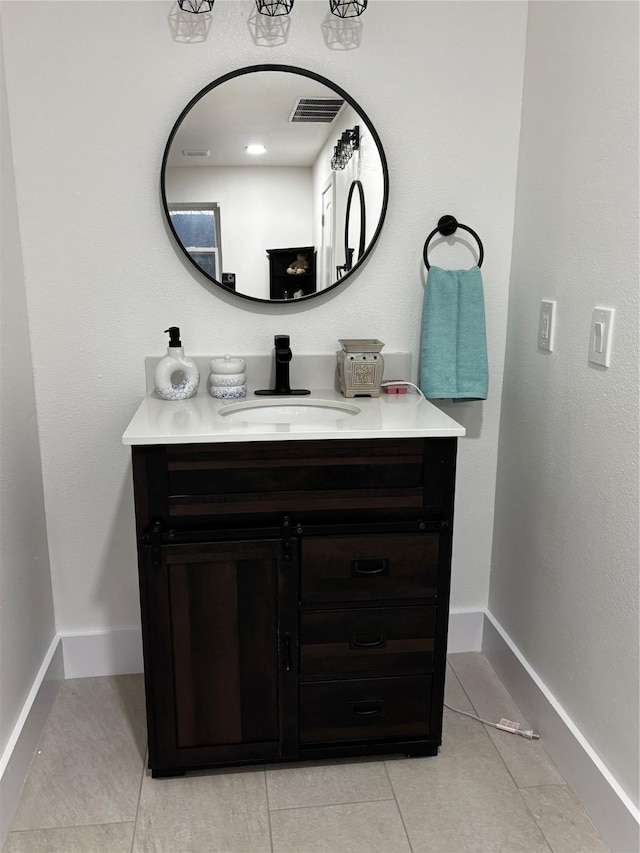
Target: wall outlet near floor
[(600, 336), (547, 325)]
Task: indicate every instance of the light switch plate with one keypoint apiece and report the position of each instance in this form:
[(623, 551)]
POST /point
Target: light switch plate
[(600, 336), (547, 325)]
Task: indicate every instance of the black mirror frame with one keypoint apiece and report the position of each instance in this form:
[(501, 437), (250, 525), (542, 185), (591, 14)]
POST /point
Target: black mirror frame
[(363, 222), (363, 254)]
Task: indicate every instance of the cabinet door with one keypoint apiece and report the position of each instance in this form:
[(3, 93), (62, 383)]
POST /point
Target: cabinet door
[(220, 654)]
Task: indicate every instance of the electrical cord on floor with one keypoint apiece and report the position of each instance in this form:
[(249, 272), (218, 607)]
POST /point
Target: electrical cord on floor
[(503, 725)]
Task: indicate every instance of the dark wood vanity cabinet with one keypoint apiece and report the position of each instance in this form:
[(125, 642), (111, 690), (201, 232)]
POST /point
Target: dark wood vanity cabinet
[(294, 598)]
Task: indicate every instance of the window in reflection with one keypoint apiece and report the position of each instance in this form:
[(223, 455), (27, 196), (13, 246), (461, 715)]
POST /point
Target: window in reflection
[(198, 227)]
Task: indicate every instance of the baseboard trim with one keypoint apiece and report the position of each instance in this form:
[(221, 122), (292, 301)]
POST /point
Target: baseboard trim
[(465, 631), (25, 737), (102, 653), (611, 810)]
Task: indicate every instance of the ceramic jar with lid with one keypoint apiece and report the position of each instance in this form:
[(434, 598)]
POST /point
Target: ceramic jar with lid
[(228, 378)]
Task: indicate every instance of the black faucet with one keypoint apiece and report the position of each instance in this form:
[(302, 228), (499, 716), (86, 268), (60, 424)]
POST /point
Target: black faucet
[(283, 355)]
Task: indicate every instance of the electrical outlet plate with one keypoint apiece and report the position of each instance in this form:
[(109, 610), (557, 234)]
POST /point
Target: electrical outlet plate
[(600, 336), (547, 325)]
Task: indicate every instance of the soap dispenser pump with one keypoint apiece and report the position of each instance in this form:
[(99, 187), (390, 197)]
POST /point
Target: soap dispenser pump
[(176, 376)]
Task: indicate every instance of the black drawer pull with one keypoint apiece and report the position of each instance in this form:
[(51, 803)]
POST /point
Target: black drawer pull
[(370, 567), (356, 642), (367, 708)]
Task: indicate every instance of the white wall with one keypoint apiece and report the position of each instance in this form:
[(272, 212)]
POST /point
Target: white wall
[(564, 582), (260, 208), (94, 90), (27, 625)]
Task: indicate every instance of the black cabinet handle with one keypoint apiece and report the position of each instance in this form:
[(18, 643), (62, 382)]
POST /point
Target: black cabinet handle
[(356, 643), (370, 567), (367, 708)]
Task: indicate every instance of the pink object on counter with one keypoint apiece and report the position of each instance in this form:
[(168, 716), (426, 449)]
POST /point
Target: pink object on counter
[(395, 386)]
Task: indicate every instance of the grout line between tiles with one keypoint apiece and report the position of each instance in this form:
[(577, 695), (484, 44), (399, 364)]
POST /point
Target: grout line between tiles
[(506, 766), (486, 731), (135, 820), (266, 791), (526, 805), (519, 788), (404, 826), (327, 805), (56, 826), (568, 788), (68, 826)]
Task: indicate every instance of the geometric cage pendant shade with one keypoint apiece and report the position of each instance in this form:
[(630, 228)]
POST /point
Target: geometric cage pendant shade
[(340, 8), (274, 8), (196, 6), (347, 8)]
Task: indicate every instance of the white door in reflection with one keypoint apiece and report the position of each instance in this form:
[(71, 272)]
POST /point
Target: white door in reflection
[(326, 248)]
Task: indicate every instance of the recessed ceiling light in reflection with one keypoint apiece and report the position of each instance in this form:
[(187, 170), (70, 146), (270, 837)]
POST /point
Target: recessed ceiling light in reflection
[(256, 149)]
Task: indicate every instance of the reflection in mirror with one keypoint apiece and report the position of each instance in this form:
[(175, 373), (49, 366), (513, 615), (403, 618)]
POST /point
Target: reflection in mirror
[(269, 221), (355, 226), (198, 229)]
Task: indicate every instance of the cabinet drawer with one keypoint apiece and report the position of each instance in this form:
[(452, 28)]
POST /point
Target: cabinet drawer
[(189, 486), (369, 567), (365, 709), (368, 641), (283, 477)]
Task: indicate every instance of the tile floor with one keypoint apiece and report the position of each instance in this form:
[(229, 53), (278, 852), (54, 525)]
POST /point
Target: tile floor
[(88, 790)]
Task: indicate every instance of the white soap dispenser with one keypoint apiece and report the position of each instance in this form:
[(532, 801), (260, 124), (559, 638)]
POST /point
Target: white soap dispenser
[(176, 376)]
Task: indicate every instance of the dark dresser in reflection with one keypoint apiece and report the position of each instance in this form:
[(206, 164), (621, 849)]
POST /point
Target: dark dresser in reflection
[(284, 285)]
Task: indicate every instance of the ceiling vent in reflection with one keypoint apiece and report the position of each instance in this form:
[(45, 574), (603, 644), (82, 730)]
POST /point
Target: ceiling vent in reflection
[(196, 152), (322, 110)]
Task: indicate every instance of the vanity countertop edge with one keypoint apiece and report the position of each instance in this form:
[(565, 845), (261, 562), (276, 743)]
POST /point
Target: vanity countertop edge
[(198, 420)]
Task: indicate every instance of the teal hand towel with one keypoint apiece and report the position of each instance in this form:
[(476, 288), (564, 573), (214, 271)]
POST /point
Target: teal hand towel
[(453, 357)]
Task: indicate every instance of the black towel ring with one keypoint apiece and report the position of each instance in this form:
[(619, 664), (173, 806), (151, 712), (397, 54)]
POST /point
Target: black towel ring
[(447, 225)]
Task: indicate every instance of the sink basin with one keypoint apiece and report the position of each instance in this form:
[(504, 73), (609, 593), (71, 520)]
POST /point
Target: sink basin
[(284, 410)]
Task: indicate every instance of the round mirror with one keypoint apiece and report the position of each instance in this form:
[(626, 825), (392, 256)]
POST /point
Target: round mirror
[(258, 176)]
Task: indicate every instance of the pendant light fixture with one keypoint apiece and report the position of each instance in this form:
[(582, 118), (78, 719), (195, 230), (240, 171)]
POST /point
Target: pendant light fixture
[(347, 8), (196, 6), (348, 142), (273, 8)]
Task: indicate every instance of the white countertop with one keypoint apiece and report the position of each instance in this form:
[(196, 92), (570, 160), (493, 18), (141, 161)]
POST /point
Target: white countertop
[(198, 420)]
